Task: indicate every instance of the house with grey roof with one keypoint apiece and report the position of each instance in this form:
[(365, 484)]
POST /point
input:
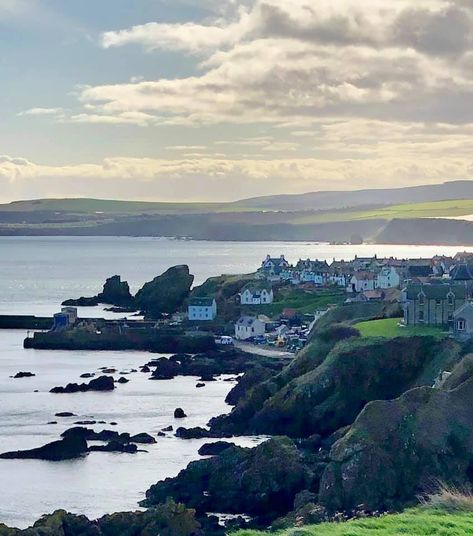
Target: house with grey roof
[(433, 304), (247, 327), (257, 293), (202, 309)]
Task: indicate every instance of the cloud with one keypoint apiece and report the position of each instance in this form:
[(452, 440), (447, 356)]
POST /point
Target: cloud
[(42, 111)]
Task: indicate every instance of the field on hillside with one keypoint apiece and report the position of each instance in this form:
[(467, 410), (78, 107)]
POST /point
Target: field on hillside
[(390, 328), (438, 209), (415, 522)]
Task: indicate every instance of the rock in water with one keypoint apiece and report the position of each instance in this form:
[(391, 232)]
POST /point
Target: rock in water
[(143, 438), (103, 383), (67, 448), (166, 293), (20, 375), (115, 446), (179, 413), (214, 449), (116, 292)]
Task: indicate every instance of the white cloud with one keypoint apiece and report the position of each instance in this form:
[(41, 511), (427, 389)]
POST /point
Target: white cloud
[(42, 111)]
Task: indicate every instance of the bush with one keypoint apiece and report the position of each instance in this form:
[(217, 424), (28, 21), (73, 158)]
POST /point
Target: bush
[(449, 498)]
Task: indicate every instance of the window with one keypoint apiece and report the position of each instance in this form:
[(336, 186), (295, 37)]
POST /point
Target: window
[(438, 302), (421, 316), (451, 299), (461, 325), (421, 299), (450, 317)]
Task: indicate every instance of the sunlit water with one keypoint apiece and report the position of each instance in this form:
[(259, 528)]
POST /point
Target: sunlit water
[(36, 274)]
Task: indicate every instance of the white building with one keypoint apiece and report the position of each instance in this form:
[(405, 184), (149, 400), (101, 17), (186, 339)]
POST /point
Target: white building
[(256, 294), (202, 309), (388, 277), (361, 281), (273, 267), (247, 327)]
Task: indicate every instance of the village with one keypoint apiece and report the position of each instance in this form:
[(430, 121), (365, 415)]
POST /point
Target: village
[(278, 305)]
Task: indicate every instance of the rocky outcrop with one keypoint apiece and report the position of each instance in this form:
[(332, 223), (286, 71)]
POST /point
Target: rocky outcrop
[(165, 293), (179, 413), (103, 383), (169, 519), (20, 375), (67, 448), (115, 446), (332, 395), (250, 481), (400, 448), (214, 449), (116, 292)]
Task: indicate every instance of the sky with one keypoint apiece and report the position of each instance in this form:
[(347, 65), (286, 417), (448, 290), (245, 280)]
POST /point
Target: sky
[(216, 100)]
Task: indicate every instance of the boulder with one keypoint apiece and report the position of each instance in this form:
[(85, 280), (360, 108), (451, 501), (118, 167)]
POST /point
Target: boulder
[(200, 385), (398, 449), (115, 446), (87, 375), (179, 413), (214, 449), (92, 301), (65, 414), (192, 433), (67, 448), (123, 380), (165, 293), (103, 383), (142, 438)]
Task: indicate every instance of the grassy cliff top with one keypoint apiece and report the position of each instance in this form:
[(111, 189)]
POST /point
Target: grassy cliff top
[(415, 522)]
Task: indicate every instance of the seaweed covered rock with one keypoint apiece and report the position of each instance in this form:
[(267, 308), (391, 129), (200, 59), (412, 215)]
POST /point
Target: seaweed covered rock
[(250, 481), (165, 293), (332, 395), (116, 292), (67, 448), (398, 449)]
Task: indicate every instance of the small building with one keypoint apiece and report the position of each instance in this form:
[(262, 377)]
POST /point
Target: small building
[(432, 304), (61, 322), (202, 309), (388, 277), (362, 281), (257, 293), (463, 321), (71, 312), (248, 327), (272, 268)]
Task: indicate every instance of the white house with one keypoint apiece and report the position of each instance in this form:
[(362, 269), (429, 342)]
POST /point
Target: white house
[(249, 326), (202, 309), (361, 281), (388, 277), (273, 267), (256, 294)]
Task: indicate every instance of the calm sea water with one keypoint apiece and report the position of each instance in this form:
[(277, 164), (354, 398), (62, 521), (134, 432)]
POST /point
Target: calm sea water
[(36, 274)]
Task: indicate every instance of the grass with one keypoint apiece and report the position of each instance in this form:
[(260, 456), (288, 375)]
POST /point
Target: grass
[(390, 328), (414, 522), (436, 209), (303, 301)]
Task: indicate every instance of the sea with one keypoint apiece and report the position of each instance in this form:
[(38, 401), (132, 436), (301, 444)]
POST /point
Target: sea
[(36, 275)]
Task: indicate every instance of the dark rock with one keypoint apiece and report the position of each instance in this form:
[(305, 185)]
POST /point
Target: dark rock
[(166, 293), (143, 438), (109, 370), (85, 423), (52, 422), (113, 423), (123, 380), (103, 383), (214, 449), (252, 377), (87, 375), (92, 301), (20, 375), (192, 433), (207, 378), (165, 369), (145, 369), (161, 434), (200, 385), (168, 429), (240, 481), (65, 414), (397, 449), (67, 448), (115, 446), (116, 292), (179, 413)]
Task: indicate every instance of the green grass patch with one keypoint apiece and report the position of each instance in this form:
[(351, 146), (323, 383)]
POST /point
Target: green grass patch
[(436, 209), (414, 522), (303, 301), (391, 328)]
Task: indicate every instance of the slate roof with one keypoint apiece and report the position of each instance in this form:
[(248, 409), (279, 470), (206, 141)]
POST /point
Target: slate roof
[(436, 292), (246, 321), (201, 302), (257, 286), (461, 272), (419, 271)]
